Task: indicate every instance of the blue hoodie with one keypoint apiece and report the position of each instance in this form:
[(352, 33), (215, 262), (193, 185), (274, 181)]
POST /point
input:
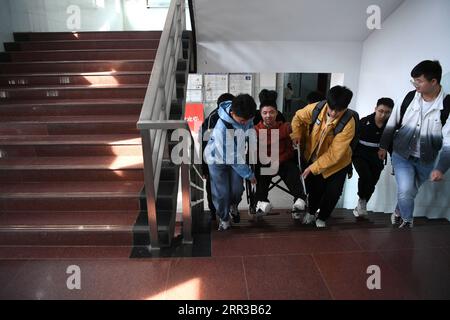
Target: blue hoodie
[(216, 148)]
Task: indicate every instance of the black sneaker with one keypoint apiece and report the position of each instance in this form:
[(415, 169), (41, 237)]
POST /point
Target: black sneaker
[(406, 225), (234, 214)]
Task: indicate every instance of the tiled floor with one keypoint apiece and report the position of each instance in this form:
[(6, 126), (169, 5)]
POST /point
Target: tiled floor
[(274, 259)]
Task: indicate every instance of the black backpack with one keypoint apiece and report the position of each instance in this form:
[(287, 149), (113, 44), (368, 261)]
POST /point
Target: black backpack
[(342, 122), (410, 97)]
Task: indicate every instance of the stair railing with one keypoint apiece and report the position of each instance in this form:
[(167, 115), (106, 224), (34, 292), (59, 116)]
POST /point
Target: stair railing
[(153, 122)]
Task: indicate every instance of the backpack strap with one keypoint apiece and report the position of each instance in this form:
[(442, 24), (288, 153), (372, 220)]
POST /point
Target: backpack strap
[(405, 104), (446, 111), (212, 121), (317, 110), (343, 122)]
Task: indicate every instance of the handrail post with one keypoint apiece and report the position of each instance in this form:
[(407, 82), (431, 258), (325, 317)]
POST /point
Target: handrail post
[(153, 122), (150, 189), (187, 211)]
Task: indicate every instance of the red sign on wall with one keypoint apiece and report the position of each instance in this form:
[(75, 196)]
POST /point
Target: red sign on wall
[(194, 116)]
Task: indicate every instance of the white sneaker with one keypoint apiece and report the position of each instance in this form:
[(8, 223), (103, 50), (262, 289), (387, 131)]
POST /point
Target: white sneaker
[(309, 218), (396, 219), (263, 208), (320, 223), (298, 209), (361, 209), (299, 205), (224, 225)]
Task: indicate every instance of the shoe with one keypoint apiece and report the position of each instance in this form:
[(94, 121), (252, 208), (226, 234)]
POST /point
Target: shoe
[(406, 225), (224, 225), (395, 219), (297, 215), (298, 209), (361, 209), (299, 205), (308, 218), (263, 208), (234, 214), (320, 223)]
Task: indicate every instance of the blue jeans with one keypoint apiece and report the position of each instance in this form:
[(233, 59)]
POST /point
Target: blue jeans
[(226, 188), (410, 174)]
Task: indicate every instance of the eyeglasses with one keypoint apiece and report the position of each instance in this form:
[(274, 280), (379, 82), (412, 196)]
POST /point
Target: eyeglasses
[(416, 83)]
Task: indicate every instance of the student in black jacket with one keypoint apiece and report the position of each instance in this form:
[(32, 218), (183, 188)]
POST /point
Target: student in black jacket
[(365, 158), (207, 126)]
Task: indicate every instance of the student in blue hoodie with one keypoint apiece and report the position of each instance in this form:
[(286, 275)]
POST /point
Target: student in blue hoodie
[(226, 159)]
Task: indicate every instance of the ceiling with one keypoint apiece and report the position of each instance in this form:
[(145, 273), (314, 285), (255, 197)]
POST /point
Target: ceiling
[(286, 20)]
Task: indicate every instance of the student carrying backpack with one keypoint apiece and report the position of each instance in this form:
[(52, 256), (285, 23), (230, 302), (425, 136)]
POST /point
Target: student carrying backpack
[(349, 113), (327, 150)]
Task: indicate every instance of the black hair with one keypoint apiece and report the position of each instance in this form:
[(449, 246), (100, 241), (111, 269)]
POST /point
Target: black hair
[(244, 106), (315, 96), (225, 97), (268, 98), (429, 69), (339, 98), (388, 102)]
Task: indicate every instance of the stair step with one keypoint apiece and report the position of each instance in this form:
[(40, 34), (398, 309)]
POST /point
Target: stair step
[(76, 66), (67, 218), (73, 163), (91, 237), (88, 78), (82, 45), (59, 251), (73, 92), (71, 107), (70, 146), (80, 55), (50, 175), (71, 196), (70, 125), (96, 35)]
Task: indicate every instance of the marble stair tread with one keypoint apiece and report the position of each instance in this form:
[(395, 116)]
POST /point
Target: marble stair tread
[(78, 163)]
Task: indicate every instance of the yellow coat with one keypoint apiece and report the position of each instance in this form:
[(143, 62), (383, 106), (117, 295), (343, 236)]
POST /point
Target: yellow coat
[(333, 153)]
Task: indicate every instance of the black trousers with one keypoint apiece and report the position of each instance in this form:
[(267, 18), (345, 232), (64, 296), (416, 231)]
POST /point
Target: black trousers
[(212, 209), (369, 174), (324, 193), (289, 174)]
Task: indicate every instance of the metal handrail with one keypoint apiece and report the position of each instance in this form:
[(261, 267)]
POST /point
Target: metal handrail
[(160, 93)]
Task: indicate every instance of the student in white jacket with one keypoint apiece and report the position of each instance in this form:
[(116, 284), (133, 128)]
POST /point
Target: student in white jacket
[(417, 131)]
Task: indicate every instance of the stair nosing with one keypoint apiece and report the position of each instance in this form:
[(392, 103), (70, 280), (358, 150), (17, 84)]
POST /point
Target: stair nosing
[(76, 87), (82, 50), (78, 61)]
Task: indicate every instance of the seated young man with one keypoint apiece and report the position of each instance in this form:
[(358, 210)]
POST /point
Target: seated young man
[(287, 170), (226, 174)]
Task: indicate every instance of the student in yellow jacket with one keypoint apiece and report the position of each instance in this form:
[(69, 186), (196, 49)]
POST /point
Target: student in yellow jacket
[(327, 155)]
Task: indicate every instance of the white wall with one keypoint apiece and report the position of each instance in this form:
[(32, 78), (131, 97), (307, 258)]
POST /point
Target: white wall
[(417, 31), (96, 15), (282, 57), (5, 24), (52, 16)]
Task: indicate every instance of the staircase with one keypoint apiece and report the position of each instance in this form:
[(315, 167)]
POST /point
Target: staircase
[(71, 165)]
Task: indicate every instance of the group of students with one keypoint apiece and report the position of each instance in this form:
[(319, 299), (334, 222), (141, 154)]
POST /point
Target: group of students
[(330, 138)]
